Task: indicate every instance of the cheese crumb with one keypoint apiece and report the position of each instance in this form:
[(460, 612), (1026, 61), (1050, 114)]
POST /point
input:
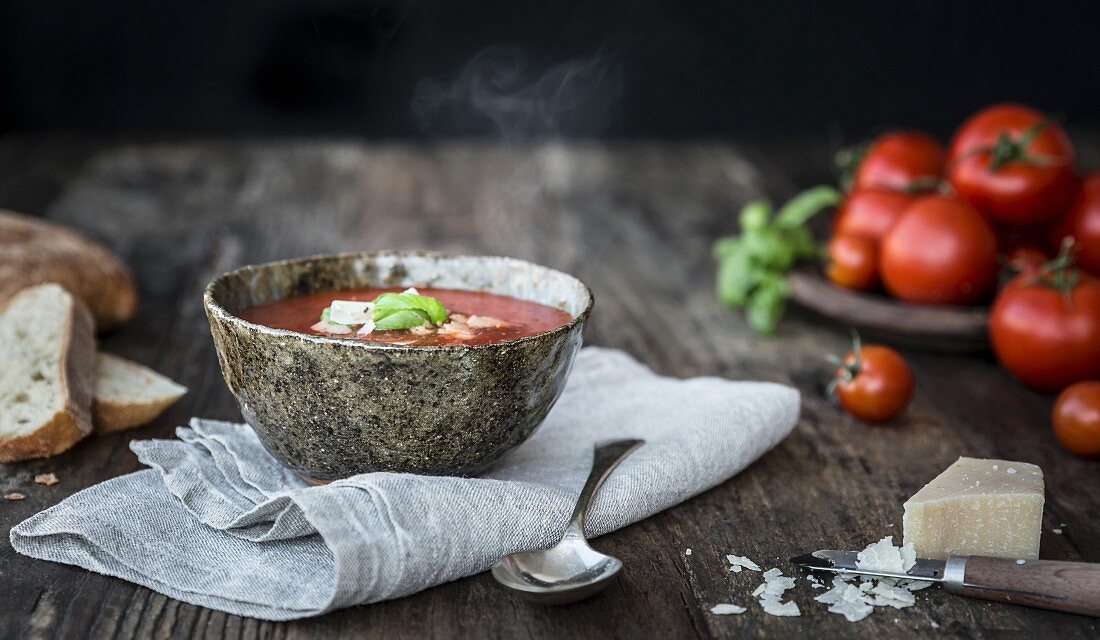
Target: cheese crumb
[(884, 556), (726, 609), (1010, 470), (857, 601), (771, 591), (777, 608), (737, 562), (687, 552), (1057, 531)]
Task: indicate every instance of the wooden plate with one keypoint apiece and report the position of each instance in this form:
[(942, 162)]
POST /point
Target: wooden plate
[(946, 329)]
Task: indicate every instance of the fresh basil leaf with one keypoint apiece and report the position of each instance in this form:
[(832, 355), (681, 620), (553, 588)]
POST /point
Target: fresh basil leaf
[(754, 215), (802, 242), (803, 206), (736, 279), (767, 304), (768, 249), (725, 247), (401, 319), (752, 266), (407, 307)]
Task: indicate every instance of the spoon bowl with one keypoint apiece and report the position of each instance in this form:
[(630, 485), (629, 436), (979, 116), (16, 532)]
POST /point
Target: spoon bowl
[(570, 570), (567, 572)]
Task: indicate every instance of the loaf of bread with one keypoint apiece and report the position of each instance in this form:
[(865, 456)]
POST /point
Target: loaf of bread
[(47, 352), (128, 394), (34, 252)]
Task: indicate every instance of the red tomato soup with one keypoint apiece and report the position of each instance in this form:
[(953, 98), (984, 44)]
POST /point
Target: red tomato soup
[(474, 317)]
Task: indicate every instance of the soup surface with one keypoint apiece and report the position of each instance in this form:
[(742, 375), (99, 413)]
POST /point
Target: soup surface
[(475, 317)]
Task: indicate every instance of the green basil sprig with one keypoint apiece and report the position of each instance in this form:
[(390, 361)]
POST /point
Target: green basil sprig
[(405, 310), (752, 265)]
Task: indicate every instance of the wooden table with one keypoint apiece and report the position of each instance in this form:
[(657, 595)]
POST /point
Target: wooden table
[(635, 221)]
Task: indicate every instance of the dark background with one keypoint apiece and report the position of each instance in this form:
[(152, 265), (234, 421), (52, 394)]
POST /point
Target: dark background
[(685, 69)]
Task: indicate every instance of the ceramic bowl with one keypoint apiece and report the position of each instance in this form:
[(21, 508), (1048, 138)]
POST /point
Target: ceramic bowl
[(329, 408)]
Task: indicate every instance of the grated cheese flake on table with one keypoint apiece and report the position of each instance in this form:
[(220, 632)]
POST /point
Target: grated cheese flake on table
[(726, 609), (847, 600), (739, 562), (770, 593)]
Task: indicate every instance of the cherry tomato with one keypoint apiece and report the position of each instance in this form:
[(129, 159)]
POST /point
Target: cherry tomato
[(853, 262), (900, 160), (1083, 224), (873, 382), (939, 251), (1077, 418), (1011, 162), (1045, 326), (870, 212)]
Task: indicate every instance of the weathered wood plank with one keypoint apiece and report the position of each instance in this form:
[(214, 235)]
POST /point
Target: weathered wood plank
[(635, 221)]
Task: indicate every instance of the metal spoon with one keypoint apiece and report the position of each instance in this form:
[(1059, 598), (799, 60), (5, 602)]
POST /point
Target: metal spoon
[(570, 570)]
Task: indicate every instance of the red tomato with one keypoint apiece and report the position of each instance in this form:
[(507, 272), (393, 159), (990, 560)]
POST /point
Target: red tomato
[(900, 160), (870, 212), (939, 251), (853, 262), (1045, 328), (874, 385), (1077, 418), (1012, 163), (1083, 223)]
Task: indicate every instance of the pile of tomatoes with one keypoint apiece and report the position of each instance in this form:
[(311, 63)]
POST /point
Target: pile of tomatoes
[(1000, 216)]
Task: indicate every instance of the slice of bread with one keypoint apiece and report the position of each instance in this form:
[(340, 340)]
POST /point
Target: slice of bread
[(47, 351), (128, 394), (34, 252)]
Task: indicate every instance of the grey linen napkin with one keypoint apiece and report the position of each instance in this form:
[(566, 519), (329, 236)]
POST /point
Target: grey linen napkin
[(218, 522)]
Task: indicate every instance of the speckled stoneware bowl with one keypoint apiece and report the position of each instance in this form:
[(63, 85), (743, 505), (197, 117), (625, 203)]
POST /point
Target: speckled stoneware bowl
[(330, 408)]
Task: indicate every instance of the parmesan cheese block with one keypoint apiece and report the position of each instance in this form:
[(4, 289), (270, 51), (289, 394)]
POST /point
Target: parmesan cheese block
[(978, 508)]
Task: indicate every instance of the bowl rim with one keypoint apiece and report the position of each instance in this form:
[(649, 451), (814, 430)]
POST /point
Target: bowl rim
[(214, 308)]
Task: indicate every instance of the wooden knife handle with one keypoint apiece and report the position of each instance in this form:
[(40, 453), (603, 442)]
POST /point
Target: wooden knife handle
[(1073, 587)]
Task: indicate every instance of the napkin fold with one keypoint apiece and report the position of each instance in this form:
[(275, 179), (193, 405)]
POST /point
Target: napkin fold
[(217, 522)]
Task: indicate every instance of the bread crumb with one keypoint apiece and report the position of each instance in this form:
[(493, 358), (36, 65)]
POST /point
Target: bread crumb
[(46, 479), (14, 495)]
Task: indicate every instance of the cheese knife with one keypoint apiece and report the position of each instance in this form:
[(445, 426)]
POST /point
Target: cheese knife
[(1073, 587)]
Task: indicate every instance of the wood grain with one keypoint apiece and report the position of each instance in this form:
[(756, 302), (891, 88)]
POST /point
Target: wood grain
[(635, 221)]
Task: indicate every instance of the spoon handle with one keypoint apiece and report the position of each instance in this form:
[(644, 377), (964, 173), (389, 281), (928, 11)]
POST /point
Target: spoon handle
[(605, 458)]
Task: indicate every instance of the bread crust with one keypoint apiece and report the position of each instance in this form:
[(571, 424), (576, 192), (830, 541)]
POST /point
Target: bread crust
[(35, 252), (58, 435), (116, 414), (73, 421), (110, 416)]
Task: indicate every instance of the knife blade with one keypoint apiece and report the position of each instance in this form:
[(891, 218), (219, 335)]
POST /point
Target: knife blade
[(1073, 587), (846, 562)]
